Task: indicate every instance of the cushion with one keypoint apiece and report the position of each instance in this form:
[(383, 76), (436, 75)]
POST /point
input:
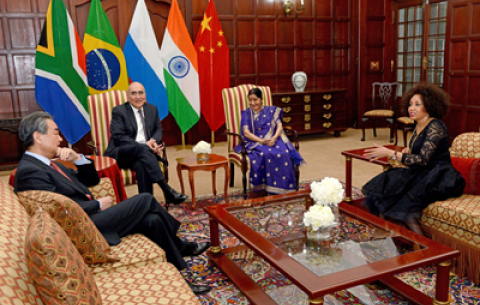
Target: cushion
[(72, 218), (156, 284), (470, 170), (103, 189), (405, 120), (57, 269), (379, 112)]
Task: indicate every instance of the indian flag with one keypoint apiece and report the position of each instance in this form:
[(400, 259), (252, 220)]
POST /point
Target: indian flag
[(181, 71)]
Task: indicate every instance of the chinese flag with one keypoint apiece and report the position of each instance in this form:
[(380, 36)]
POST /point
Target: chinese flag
[(213, 67)]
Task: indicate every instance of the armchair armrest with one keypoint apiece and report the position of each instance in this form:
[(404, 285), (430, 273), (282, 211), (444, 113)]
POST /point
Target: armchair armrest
[(91, 144), (292, 133), (244, 150), (164, 161)]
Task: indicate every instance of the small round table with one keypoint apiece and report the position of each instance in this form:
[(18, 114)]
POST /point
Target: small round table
[(191, 164)]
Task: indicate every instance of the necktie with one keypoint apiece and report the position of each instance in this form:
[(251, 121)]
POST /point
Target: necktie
[(58, 169), (143, 124)]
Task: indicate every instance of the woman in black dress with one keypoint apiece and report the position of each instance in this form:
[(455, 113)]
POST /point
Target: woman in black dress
[(402, 193)]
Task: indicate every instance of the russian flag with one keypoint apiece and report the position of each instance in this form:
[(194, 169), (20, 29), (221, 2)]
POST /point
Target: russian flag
[(142, 55)]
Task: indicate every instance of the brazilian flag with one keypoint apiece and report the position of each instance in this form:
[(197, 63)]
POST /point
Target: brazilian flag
[(106, 67)]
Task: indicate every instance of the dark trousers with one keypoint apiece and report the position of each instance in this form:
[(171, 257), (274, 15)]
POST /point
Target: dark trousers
[(144, 162), (142, 214)]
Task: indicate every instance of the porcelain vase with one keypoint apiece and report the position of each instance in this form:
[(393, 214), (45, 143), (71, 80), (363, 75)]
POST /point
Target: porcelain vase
[(299, 80)]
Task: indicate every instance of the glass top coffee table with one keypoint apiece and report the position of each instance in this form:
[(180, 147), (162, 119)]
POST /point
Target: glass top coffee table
[(363, 249)]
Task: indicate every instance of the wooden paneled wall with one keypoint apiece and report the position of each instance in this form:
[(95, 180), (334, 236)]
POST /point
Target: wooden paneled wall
[(266, 47)]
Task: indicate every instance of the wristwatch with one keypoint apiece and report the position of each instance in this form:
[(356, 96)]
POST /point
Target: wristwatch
[(394, 157)]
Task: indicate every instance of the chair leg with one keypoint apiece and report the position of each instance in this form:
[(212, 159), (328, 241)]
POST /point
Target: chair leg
[(363, 131), (232, 172), (405, 133), (374, 128), (244, 181), (297, 178), (392, 129)]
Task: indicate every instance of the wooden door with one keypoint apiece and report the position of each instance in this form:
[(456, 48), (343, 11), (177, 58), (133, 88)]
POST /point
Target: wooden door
[(462, 79)]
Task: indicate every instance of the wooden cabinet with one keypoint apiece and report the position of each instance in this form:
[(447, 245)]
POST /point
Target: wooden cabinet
[(313, 112)]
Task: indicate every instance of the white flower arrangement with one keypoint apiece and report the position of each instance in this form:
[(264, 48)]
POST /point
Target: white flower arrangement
[(318, 216), (328, 192), (202, 147)]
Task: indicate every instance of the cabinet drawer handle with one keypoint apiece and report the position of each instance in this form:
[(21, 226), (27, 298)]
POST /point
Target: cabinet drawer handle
[(286, 100), (327, 115), (307, 118), (308, 126), (307, 107), (287, 119), (327, 97), (327, 106), (307, 98), (327, 125), (287, 109)]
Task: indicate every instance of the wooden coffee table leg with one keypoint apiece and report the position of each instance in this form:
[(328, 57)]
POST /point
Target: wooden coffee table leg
[(348, 178), (227, 178), (192, 187), (442, 291), (316, 301), (214, 179), (179, 173), (215, 247)]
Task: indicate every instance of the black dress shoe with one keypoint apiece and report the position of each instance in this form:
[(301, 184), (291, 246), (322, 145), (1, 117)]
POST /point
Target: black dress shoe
[(198, 289), (194, 249), (176, 197)]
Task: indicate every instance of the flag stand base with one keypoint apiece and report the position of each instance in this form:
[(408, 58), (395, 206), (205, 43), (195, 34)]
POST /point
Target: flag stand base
[(183, 146), (213, 144)]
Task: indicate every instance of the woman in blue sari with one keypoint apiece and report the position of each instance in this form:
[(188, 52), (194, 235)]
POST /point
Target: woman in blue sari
[(271, 154)]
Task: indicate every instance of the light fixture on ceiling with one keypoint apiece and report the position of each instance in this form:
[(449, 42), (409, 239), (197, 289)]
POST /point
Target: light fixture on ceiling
[(290, 5)]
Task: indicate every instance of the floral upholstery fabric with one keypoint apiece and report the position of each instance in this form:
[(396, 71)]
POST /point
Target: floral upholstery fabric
[(57, 269), (17, 286), (466, 145), (379, 112), (103, 189), (73, 219), (133, 252), (156, 284)]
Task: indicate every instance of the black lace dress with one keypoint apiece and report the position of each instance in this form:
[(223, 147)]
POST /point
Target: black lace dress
[(429, 177)]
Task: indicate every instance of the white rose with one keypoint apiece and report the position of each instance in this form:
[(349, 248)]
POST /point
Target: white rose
[(202, 147), (318, 216), (327, 192)]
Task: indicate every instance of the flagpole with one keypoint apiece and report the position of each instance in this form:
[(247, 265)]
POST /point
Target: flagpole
[(213, 144), (183, 144)]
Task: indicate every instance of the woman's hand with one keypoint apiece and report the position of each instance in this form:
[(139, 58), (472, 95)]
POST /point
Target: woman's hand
[(405, 150), (377, 152)]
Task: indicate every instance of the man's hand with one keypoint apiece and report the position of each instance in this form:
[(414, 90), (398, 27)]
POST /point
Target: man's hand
[(106, 202), (67, 154), (152, 144)]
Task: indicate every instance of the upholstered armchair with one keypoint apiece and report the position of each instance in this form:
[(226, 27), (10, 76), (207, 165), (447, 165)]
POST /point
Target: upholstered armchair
[(455, 222), (235, 100), (100, 107)]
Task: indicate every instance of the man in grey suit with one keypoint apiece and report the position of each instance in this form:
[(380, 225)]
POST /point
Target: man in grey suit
[(136, 134), (139, 214)]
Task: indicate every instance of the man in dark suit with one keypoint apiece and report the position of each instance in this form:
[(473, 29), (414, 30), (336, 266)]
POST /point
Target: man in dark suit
[(136, 134), (139, 214)]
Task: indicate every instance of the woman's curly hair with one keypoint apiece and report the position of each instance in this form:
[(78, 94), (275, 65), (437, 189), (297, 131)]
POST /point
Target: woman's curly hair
[(435, 100)]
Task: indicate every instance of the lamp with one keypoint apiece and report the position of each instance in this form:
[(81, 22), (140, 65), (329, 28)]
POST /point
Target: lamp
[(290, 5)]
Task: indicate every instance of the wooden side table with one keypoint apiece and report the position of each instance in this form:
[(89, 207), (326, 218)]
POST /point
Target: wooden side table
[(358, 154), (191, 164)]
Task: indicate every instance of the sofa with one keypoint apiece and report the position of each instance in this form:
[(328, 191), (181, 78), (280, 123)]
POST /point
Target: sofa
[(456, 222), (136, 273)]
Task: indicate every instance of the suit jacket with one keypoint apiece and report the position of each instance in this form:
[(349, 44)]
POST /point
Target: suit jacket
[(123, 127), (33, 174)]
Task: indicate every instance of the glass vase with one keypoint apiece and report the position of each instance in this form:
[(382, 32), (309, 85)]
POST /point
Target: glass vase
[(319, 238), (203, 157)]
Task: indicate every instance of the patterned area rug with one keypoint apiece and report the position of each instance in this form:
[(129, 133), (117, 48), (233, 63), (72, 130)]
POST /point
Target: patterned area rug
[(195, 227)]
